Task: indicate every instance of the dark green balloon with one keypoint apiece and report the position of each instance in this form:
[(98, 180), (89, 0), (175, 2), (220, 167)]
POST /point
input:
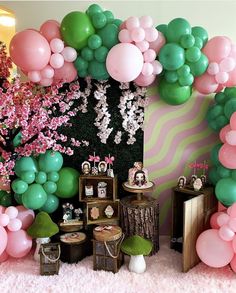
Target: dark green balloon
[(183, 71), (98, 70), (6, 199), (25, 164), (221, 121), (171, 56), (100, 54), (53, 176), (198, 42), (50, 161), (81, 64), (214, 154), (233, 174), (19, 186), (200, 32), (92, 9), (51, 204), (28, 176), (83, 73), (173, 93), (214, 176), (176, 28), (18, 198), (230, 107), (94, 42), (199, 67), (34, 197), (223, 172), (109, 35), (162, 28), (76, 28), (2, 193), (226, 191), (187, 41), (109, 16), (41, 177), (171, 76), (68, 183), (186, 80), (50, 187), (17, 140), (216, 110), (193, 54), (87, 54), (117, 22), (230, 92), (99, 20), (220, 98)]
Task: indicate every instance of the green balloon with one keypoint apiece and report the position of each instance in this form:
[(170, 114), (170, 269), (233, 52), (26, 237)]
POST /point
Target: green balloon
[(183, 71), (187, 41), (27, 176), (83, 73), (50, 187), (109, 35), (230, 107), (87, 54), (109, 16), (230, 92), (223, 172), (226, 191), (162, 28), (41, 177), (117, 22), (81, 64), (100, 54), (221, 121), (198, 42), (2, 193), (50, 161), (17, 139), (220, 98), (193, 54), (98, 70), (186, 80), (176, 28), (53, 176), (51, 204), (18, 198), (214, 154), (94, 8), (25, 164), (19, 186), (199, 67), (6, 199), (233, 174), (214, 176), (171, 56), (68, 183), (34, 197), (99, 20), (76, 28), (171, 76), (173, 93), (200, 32), (94, 42)]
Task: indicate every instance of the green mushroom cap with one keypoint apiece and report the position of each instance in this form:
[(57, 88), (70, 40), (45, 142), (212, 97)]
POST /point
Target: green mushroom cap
[(136, 245), (43, 226)]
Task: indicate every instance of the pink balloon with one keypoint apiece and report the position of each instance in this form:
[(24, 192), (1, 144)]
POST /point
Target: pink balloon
[(158, 43), (226, 233), (4, 220), (146, 21), (223, 132), (227, 156), (231, 137), (66, 73), (143, 80), (47, 72), (222, 219), (3, 237), (56, 60), (232, 79), (151, 34), (213, 220), (143, 46), (222, 77), (233, 121), (69, 54), (234, 244), (4, 256), (124, 62), (227, 64), (30, 50), (34, 76), (19, 243), (212, 250), (231, 211), (46, 81), (56, 45), (213, 68), (124, 36), (205, 84), (137, 34), (14, 225), (233, 264), (157, 67), (147, 69), (232, 224), (219, 88), (50, 29), (2, 209), (26, 216), (149, 55), (132, 22), (122, 26), (217, 49), (12, 212)]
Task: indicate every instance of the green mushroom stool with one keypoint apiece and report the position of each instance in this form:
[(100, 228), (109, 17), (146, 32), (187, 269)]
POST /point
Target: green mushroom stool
[(136, 246)]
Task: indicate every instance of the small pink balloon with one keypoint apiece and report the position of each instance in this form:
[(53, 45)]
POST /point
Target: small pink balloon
[(213, 220), (2, 209), (124, 36), (56, 45), (143, 80), (47, 72), (222, 77), (146, 21), (227, 64), (231, 137), (232, 79), (233, 121), (34, 76), (205, 84), (157, 67), (12, 212), (213, 68), (149, 55), (227, 156), (46, 81), (14, 225), (223, 132), (231, 211), (4, 256), (222, 219), (26, 216), (19, 243), (3, 237), (66, 73), (50, 29), (122, 26), (233, 264), (234, 244), (151, 34), (132, 22), (232, 224), (158, 43), (226, 233), (220, 88), (143, 46), (4, 220), (56, 60), (147, 69), (69, 54), (137, 34)]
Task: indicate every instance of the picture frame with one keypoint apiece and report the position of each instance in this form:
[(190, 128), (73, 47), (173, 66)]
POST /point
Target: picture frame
[(102, 167), (86, 167)]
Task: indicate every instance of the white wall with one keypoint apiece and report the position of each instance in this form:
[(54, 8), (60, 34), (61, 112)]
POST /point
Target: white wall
[(217, 17)]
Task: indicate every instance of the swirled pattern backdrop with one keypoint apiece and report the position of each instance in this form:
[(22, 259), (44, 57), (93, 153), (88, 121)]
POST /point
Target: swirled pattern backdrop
[(174, 136)]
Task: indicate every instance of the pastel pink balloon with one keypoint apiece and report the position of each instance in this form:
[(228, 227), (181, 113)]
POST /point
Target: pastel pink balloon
[(124, 62), (56, 45), (50, 29), (233, 121), (226, 233), (231, 211), (227, 156), (4, 256), (143, 46), (147, 69), (34, 76), (69, 54), (137, 34), (212, 250), (46, 81), (132, 22), (4, 220), (19, 243), (151, 34), (222, 77), (231, 137), (217, 48), (122, 26), (26, 216), (30, 50), (124, 36), (66, 73), (223, 132), (213, 68), (234, 244), (232, 224), (3, 237), (157, 67), (2, 209), (158, 43), (149, 55), (146, 21), (56, 60), (219, 88), (14, 225), (213, 220), (143, 80), (47, 72), (227, 64), (222, 219), (12, 212), (233, 264), (205, 84)]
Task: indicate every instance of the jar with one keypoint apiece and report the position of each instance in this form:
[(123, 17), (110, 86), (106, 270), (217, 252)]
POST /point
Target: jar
[(102, 189)]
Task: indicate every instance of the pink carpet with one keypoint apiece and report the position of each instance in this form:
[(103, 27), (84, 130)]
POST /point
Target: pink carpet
[(163, 275)]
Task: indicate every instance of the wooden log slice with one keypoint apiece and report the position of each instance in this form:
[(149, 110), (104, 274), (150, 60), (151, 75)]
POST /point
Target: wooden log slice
[(102, 233)]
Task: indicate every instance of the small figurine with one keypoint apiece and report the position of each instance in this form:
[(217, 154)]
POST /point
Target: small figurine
[(78, 213), (94, 159), (86, 167), (102, 189), (197, 185), (94, 213), (193, 178), (109, 160), (181, 181), (102, 167), (67, 211), (139, 178), (203, 179), (109, 211), (89, 190)]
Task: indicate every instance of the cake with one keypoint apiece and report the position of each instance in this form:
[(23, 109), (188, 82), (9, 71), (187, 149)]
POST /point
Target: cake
[(138, 176)]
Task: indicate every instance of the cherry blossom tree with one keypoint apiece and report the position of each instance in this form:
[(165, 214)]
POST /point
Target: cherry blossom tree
[(5, 65)]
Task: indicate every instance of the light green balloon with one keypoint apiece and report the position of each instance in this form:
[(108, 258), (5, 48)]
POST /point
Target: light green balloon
[(171, 76), (34, 197), (50, 187), (53, 176), (41, 177), (25, 164), (28, 176), (187, 41), (183, 71), (50, 161), (19, 186), (186, 80), (171, 56), (201, 33), (68, 183), (193, 54), (51, 204)]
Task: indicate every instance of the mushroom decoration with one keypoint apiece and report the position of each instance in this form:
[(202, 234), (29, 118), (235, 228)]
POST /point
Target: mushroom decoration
[(136, 246), (42, 228)]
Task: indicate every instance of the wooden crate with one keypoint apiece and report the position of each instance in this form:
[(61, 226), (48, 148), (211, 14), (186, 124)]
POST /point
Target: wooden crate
[(49, 258), (85, 180), (191, 211)]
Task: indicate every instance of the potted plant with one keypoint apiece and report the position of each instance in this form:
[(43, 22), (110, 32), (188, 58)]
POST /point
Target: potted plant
[(136, 246), (42, 229)]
